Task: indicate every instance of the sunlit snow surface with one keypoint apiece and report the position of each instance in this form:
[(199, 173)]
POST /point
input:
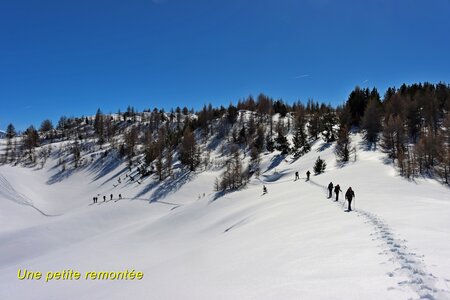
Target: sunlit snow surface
[(291, 243)]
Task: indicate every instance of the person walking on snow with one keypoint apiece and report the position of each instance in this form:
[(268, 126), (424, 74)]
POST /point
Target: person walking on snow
[(93, 199), (111, 196), (349, 195), (307, 175), (296, 176), (120, 196), (264, 189), (330, 189), (337, 189), (104, 198)]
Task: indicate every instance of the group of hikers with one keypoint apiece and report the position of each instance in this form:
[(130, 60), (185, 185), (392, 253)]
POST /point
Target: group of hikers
[(349, 194), (308, 173), (95, 199)]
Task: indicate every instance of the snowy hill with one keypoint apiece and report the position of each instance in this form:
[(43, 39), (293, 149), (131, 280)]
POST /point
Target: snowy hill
[(291, 243)]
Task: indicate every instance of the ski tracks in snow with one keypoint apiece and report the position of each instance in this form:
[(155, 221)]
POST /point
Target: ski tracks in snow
[(10, 193), (411, 264)]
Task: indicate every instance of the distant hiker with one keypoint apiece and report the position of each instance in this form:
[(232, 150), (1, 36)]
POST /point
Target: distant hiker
[(330, 189), (93, 199), (104, 198), (296, 176), (264, 189), (349, 196), (111, 196), (307, 175), (120, 196), (337, 189)]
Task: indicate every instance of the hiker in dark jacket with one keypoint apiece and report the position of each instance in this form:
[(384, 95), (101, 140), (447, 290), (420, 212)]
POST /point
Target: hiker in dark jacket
[(330, 189), (307, 175), (349, 195), (111, 196), (337, 189), (104, 198), (296, 176), (264, 189)]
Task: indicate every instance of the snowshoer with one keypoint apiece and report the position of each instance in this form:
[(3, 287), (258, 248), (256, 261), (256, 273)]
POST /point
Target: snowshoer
[(337, 189), (120, 196), (307, 175), (264, 189), (330, 189), (349, 196), (93, 199), (296, 176), (111, 196), (104, 198)]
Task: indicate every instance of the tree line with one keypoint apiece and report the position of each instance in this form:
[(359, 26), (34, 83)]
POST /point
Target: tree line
[(411, 124)]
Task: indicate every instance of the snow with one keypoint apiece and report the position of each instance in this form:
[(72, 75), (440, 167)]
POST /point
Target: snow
[(291, 243)]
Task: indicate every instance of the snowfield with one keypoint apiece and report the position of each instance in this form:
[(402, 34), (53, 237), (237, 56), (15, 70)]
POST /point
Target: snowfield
[(291, 243)]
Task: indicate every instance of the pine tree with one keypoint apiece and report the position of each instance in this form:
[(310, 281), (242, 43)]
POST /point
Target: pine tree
[(269, 143), (168, 162), (327, 124), (314, 125), (343, 148), (10, 134), (31, 138), (393, 137), (216, 185), (131, 138), (10, 131), (46, 126), (188, 150), (259, 140), (76, 152), (301, 145), (371, 122), (319, 166), (282, 143), (99, 126)]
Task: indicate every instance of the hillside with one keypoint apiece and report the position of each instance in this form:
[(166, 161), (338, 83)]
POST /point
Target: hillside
[(193, 243)]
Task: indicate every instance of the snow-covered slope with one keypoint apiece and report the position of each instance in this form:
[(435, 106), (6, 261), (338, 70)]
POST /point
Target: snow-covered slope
[(291, 243)]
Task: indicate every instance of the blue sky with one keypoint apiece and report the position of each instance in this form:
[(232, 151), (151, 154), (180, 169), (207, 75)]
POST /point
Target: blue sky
[(72, 57)]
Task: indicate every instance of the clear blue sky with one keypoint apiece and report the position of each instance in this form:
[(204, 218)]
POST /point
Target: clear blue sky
[(71, 57)]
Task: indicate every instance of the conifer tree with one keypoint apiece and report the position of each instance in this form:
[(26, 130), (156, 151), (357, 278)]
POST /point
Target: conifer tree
[(300, 141), (343, 148), (269, 143), (371, 122), (99, 126), (188, 150), (327, 124), (10, 131), (319, 166), (282, 143)]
